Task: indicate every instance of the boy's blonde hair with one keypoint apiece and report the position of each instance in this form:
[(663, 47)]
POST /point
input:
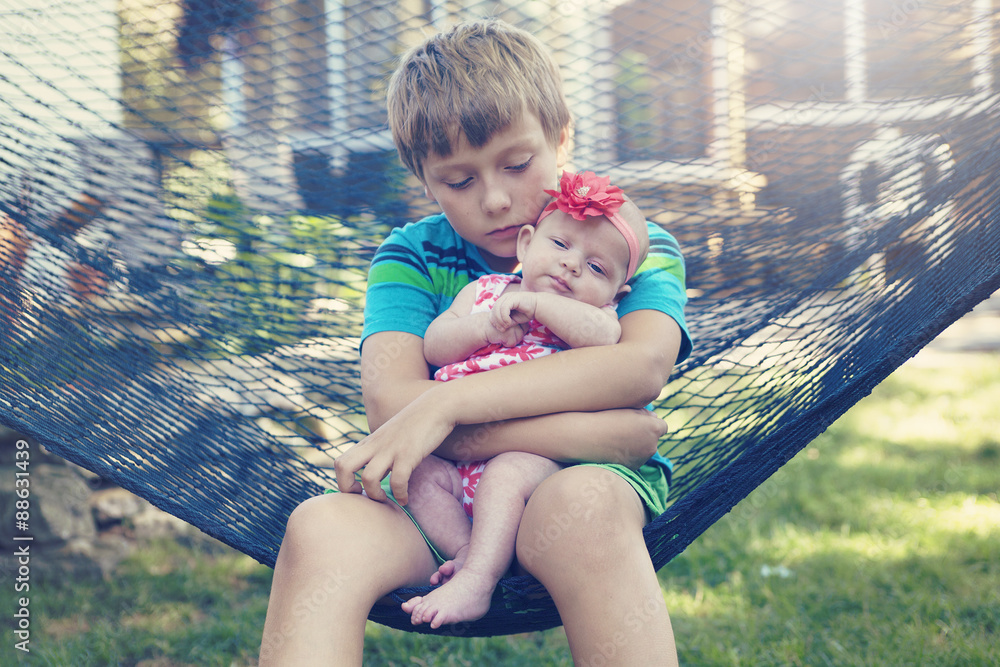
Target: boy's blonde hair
[(477, 78)]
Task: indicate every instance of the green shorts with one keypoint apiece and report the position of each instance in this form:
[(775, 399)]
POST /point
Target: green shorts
[(651, 482)]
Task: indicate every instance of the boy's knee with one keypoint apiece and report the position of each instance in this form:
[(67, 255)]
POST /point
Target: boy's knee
[(595, 495), (300, 529), (575, 511), (319, 520), (304, 514)]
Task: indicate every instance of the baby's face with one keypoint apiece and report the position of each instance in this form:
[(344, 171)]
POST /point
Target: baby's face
[(584, 260)]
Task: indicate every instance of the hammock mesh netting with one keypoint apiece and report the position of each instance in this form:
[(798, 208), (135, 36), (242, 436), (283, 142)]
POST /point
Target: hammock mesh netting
[(190, 193)]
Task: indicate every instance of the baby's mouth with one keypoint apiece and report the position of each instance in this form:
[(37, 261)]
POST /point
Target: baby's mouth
[(560, 283)]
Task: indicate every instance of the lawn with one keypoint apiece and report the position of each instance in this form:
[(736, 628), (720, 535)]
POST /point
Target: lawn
[(879, 544)]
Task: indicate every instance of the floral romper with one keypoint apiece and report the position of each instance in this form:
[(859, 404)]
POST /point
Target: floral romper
[(537, 342)]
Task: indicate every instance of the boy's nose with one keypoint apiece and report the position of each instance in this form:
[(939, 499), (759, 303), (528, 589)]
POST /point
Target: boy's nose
[(496, 199)]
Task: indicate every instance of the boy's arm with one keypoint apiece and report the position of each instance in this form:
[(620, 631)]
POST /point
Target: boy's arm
[(628, 374), (578, 324), (393, 374), (567, 437)]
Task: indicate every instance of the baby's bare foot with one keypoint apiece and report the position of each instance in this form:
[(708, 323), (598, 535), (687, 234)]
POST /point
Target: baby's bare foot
[(465, 597), (444, 573), (450, 567)]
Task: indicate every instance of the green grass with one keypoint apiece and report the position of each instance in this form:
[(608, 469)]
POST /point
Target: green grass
[(878, 545), (888, 528)]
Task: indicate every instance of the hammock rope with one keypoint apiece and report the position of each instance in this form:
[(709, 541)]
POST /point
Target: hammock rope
[(190, 194)]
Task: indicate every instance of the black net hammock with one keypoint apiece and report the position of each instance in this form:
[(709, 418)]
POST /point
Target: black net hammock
[(190, 192)]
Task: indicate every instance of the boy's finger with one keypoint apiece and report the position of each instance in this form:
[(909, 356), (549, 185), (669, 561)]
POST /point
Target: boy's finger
[(371, 480), (400, 483), (346, 469), (355, 487)]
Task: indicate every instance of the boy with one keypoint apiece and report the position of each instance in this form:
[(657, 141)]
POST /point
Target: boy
[(478, 115)]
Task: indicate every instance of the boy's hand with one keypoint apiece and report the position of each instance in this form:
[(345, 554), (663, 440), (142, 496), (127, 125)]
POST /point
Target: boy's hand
[(398, 446)]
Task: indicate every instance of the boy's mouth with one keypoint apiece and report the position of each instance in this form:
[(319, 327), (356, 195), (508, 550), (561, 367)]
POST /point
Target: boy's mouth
[(504, 233)]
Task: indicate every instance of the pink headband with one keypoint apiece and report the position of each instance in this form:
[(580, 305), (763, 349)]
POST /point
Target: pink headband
[(586, 195)]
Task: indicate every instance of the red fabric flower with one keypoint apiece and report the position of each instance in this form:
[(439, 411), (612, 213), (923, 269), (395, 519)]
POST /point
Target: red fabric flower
[(585, 195)]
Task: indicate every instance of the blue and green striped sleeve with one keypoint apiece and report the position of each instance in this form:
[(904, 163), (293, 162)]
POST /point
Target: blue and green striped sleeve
[(659, 284), (415, 275)]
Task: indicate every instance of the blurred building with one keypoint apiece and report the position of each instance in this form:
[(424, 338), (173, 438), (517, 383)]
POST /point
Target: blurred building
[(748, 102)]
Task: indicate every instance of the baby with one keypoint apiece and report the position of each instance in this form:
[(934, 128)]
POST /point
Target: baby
[(575, 263)]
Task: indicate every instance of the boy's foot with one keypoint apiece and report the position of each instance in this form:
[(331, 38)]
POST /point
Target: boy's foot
[(465, 597)]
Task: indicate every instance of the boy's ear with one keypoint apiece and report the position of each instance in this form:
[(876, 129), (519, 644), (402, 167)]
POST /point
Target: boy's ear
[(563, 147), (523, 240)]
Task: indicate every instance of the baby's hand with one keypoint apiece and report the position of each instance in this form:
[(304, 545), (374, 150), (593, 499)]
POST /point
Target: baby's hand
[(514, 308), (508, 336)]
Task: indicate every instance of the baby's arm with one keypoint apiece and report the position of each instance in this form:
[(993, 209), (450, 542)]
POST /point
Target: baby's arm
[(456, 333), (577, 323)]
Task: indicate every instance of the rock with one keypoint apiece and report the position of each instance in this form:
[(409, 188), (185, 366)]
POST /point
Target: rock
[(99, 556), (79, 526), (57, 510), (153, 523), (114, 506)]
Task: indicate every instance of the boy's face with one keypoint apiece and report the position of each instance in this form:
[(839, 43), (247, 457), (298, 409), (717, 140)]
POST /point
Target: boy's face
[(489, 193), (584, 260)]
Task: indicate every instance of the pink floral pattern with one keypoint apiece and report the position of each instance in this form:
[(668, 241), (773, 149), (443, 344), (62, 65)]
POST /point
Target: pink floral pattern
[(538, 342), (470, 471)]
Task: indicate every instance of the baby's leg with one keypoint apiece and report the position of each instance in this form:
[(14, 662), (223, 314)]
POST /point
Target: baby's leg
[(435, 502), (507, 482)]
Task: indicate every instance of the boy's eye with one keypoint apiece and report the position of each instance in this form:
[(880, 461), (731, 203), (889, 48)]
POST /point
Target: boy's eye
[(523, 166), (460, 185)]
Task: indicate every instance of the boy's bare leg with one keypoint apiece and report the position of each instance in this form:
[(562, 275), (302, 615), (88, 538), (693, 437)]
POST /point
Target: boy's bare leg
[(507, 482), (581, 536), (340, 555)]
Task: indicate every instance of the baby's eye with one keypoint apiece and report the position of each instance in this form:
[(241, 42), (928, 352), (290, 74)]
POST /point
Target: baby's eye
[(597, 268), (559, 244)]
